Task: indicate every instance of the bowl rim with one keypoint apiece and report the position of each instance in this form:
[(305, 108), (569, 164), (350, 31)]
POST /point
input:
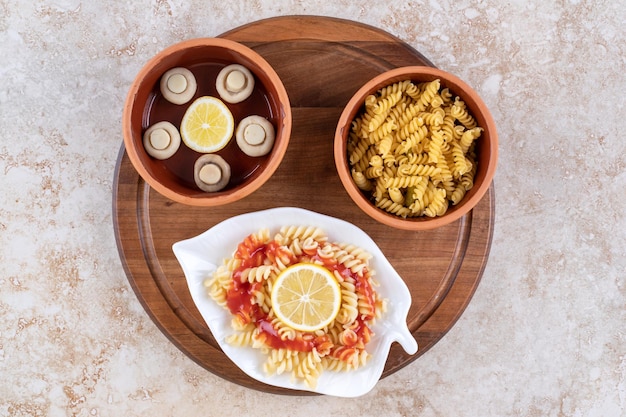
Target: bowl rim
[(343, 127), (278, 152)]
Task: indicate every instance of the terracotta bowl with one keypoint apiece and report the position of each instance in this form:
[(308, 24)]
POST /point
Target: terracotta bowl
[(486, 147), (145, 105)]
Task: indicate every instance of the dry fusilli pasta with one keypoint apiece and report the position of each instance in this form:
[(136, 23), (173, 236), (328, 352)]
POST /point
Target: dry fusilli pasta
[(411, 132)]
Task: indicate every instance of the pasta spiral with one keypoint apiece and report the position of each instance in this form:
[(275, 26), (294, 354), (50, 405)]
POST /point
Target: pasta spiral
[(403, 182)]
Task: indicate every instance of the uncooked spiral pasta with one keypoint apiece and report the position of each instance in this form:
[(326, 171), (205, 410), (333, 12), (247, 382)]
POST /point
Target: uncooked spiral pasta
[(383, 131), (361, 181), (461, 165), (243, 283), (414, 143), (418, 130), (384, 146), (467, 138), (436, 146), (374, 172), (438, 204), (384, 105), (460, 113), (389, 205), (413, 159), (396, 195), (403, 182), (422, 170), (358, 152), (431, 89), (435, 117), (414, 125), (401, 87), (458, 193)]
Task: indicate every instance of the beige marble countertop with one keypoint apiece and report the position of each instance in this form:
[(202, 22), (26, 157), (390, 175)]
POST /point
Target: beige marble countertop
[(544, 334)]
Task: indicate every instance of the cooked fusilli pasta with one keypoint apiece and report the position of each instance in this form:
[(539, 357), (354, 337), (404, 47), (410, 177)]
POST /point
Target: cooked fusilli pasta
[(243, 285)]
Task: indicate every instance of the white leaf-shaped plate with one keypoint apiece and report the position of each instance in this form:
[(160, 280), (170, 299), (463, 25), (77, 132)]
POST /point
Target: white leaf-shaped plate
[(199, 257)]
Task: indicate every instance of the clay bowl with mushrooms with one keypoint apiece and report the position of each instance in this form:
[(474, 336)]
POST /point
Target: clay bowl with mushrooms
[(206, 122)]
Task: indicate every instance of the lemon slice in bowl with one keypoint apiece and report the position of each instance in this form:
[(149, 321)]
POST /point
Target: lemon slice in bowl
[(207, 125), (306, 297)]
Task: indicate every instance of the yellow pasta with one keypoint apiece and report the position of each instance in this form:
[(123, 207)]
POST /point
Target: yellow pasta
[(401, 87), (384, 105), (430, 91), (383, 131), (462, 115), (374, 172), (414, 125), (422, 170), (396, 195), (389, 205), (257, 274), (361, 181), (412, 148), (438, 204), (384, 146), (402, 182)]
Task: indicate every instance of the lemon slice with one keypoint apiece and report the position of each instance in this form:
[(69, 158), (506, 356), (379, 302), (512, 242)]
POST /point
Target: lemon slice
[(306, 297), (207, 125)]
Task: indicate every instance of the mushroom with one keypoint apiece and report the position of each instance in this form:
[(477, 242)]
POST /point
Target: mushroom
[(178, 85), (211, 173), (255, 136), (234, 83), (161, 140)]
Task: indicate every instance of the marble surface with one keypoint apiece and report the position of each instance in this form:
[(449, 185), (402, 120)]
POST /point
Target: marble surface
[(544, 334)]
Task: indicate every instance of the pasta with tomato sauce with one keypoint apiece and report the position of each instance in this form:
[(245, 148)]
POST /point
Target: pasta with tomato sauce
[(243, 284)]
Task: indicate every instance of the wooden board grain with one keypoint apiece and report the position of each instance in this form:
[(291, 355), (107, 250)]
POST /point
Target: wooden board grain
[(322, 62)]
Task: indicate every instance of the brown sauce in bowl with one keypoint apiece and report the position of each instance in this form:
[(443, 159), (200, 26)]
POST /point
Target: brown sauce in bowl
[(181, 165)]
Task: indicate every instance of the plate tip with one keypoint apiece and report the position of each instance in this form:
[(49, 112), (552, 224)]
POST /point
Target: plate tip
[(407, 341)]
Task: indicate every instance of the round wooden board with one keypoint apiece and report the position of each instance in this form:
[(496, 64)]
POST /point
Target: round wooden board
[(322, 62)]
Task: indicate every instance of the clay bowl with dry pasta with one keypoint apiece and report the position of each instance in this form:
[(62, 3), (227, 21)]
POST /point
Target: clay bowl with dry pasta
[(395, 172), (167, 87)]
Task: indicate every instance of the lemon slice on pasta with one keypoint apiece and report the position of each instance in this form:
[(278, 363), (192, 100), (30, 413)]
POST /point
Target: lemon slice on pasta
[(306, 297)]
